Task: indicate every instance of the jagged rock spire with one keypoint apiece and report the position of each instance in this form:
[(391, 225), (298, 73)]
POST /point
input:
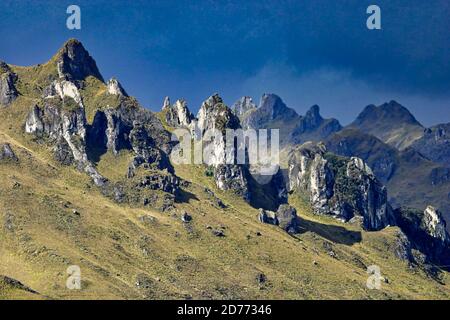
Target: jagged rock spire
[(166, 103), (75, 63), (178, 115), (243, 105), (115, 88), (8, 92), (435, 224)]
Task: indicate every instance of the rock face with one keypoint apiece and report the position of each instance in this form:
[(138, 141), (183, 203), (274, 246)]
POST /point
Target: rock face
[(427, 233), (8, 92), (74, 63), (7, 154), (215, 115), (339, 186), (285, 217), (270, 108), (435, 144), (382, 158), (178, 115), (66, 129), (397, 169), (435, 225), (115, 88), (242, 106)]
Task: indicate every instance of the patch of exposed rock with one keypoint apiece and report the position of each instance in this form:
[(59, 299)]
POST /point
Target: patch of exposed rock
[(285, 217), (427, 233), (242, 106), (215, 115), (115, 88), (74, 63), (339, 186), (178, 114), (8, 91), (66, 129), (435, 144), (7, 154)]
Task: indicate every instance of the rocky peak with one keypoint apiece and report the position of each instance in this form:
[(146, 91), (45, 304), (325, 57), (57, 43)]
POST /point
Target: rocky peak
[(214, 114), (313, 116), (115, 88), (312, 127), (435, 224), (273, 105), (435, 144), (243, 105), (390, 111), (8, 91), (391, 123), (271, 110), (166, 103), (178, 115), (74, 62), (212, 101), (339, 186), (4, 67)]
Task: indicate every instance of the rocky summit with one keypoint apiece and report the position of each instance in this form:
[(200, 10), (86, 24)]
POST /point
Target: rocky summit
[(88, 182)]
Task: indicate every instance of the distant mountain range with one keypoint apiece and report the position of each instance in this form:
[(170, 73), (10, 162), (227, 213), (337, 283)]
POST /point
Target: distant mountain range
[(88, 181)]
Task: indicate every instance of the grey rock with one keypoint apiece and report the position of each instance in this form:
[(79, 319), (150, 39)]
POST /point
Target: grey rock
[(8, 91), (218, 233), (242, 106), (67, 130), (115, 88), (267, 216), (435, 225), (312, 127), (178, 115), (285, 217), (74, 63), (16, 284), (7, 154), (185, 217), (435, 144), (339, 186), (402, 248), (427, 233), (215, 115)]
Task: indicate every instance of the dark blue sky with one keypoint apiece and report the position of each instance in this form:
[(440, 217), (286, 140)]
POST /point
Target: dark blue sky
[(308, 52)]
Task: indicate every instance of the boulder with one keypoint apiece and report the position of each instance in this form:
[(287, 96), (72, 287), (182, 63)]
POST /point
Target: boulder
[(285, 217), (7, 154)]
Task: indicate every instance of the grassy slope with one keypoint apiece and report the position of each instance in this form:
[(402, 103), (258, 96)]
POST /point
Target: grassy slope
[(41, 236)]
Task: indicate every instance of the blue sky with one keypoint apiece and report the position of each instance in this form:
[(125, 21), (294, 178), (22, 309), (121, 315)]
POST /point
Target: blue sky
[(308, 52)]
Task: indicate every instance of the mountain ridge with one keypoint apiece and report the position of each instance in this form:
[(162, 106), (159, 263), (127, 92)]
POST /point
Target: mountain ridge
[(153, 229)]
